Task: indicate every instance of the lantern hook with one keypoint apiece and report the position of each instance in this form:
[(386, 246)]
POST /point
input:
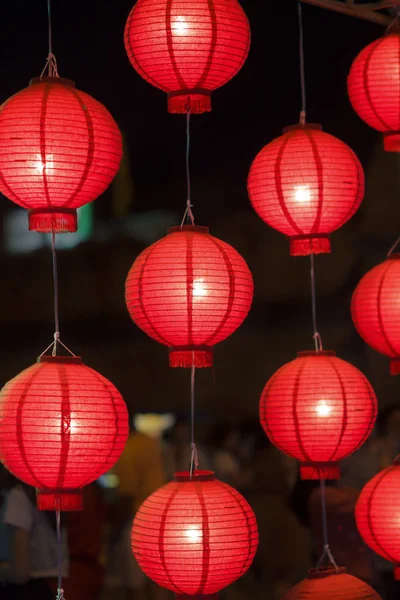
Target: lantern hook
[(327, 551)]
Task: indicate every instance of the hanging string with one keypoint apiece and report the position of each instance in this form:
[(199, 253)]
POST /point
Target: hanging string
[(60, 591), (194, 461), (188, 212), (316, 335), (51, 62), (396, 21), (393, 248), (302, 66), (327, 553)]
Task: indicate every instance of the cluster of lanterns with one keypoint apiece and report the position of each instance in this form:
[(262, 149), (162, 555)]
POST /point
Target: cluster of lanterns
[(62, 425)]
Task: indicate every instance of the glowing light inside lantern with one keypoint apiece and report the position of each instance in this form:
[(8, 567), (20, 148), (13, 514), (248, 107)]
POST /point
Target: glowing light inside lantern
[(41, 166), (302, 194), (198, 288), (180, 26), (323, 409), (193, 535)]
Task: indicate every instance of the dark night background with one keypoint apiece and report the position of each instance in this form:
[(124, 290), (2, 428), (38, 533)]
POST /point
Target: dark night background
[(247, 113)]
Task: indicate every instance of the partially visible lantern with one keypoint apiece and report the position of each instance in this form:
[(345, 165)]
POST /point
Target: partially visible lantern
[(375, 310), (374, 88), (59, 150), (318, 409), (306, 184), (62, 426), (187, 48), (189, 291), (195, 535), (378, 515), (331, 584)]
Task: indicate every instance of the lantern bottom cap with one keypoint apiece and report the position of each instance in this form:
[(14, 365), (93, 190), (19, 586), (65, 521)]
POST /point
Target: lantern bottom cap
[(391, 142), (197, 596), (311, 470), (196, 102), (304, 245), (45, 220), (395, 366), (65, 500), (187, 357), (397, 572)]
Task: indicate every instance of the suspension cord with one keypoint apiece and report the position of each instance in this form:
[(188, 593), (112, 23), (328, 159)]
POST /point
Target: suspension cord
[(302, 65), (188, 212)]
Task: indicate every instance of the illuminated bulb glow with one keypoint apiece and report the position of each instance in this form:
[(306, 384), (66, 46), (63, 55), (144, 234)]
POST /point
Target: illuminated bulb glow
[(323, 409), (194, 535), (198, 288), (302, 194), (41, 166), (180, 26)]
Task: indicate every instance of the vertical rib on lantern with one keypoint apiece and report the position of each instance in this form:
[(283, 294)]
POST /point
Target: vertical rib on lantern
[(375, 310), (374, 88), (62, 425), (318, 409), (378, 515), (331, 584), (195, 535), (59, 150), (187, 48), (306, 184), (189, 291)]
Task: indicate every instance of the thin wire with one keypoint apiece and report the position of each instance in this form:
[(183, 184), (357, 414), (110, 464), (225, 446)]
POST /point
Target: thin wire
[(60, 591), (55, 294), (49, 27), (194, 461), (302, 66), (393, 248), (316, 335), (327, 551), (189, 205)]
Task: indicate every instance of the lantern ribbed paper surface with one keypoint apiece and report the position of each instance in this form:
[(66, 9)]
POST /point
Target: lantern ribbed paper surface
[(306, 184), (59, 150), (329, 584), (375, 309), (187, 48), (62, 425), (378, 515), (374, 88), (195, 536), (318, 409), (189, 291)]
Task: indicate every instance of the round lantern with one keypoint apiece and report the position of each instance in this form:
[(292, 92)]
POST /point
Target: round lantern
[(378, 515), (187, 48), (318, 409), (59, 150), (331, 584), (374, 88), (62, 425), (375, 309), (195, 535), (306, 184), (189, 291)]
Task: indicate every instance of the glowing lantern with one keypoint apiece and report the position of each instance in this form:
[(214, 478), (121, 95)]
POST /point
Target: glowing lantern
[(331, 584), (378, 515), (318, 409), (374, 88), (187, 48), (59, 150), (306, 184), (195, 536), (189, 291), (62, 425), (375, 309)]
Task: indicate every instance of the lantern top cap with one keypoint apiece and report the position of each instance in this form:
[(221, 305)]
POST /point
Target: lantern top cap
[(184, 228), (316, 353), (196, 476), (299, 127), (59, 80), (61, 360), (322, 573)]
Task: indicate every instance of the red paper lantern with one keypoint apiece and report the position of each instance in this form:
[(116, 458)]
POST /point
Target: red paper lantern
[(59, 150), (187, 48), (378, 515), (189, 291), (374, 88), (62, 425), (306, 184), (195, 536), (318, 409), (332, 584), (375, 309)]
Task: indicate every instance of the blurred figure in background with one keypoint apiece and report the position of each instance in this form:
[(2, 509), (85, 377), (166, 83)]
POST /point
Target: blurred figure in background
[(29, 571), (225, 444), (177, 452), (140, 472)]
